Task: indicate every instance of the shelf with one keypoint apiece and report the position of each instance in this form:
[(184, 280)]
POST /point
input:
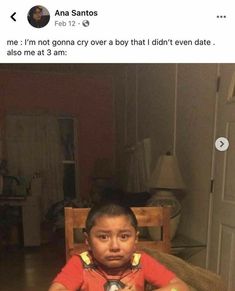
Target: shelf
[(8, 198)]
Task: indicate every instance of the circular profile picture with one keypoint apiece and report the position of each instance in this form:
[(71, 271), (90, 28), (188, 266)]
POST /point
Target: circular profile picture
[(38, 16)]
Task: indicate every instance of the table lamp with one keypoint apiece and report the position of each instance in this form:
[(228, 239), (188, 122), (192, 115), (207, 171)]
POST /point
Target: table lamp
[(166, 178)]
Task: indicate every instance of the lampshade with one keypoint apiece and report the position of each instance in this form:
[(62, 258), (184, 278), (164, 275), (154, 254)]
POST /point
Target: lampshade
[(166, 174)]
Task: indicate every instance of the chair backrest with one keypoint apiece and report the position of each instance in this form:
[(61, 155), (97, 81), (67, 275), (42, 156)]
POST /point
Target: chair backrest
[(75, 218)]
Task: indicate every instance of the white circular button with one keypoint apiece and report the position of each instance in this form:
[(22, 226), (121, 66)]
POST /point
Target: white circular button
[(222, 144)]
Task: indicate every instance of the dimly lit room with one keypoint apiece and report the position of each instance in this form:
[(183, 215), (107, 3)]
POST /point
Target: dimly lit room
[(72, 135)]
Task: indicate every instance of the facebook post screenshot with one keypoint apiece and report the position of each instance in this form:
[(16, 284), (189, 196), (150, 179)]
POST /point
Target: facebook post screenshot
[(117, 149)]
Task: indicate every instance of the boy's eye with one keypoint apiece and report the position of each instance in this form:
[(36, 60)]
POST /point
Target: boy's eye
[(103, 236), (124, 236)]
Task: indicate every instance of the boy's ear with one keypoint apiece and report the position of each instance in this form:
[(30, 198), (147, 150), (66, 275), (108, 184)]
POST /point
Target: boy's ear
[(86, 238), (137, 236)]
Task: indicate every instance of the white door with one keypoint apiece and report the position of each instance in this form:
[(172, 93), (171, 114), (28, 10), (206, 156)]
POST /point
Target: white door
[(222, 246)]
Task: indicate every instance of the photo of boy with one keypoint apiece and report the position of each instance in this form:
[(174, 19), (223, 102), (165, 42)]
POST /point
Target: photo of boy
[(112, 262)]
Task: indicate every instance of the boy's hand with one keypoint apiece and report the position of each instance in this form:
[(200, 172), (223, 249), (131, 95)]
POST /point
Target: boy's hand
[(128, 288), (176, 284)]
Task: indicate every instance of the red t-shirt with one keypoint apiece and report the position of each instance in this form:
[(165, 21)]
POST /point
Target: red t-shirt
[(77, 274)]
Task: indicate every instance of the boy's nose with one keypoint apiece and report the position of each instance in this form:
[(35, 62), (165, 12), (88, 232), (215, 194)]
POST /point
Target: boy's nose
[(114, 245)]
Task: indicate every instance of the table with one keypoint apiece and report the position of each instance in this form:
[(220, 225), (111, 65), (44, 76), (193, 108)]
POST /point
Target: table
[(30, 208), (185, 247)]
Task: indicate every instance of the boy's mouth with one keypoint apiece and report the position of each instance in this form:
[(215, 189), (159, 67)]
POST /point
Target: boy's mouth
[(114, 258)]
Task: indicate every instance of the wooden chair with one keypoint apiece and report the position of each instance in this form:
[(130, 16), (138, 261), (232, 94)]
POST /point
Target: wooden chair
[(75, 218)]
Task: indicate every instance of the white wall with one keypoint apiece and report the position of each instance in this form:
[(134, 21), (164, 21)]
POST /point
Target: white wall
[(164, 102), (195, 125)]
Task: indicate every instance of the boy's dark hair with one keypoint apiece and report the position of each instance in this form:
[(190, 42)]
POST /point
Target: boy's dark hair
[(109, 209)]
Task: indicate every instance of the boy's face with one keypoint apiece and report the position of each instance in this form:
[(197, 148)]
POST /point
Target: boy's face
[(112, 240)]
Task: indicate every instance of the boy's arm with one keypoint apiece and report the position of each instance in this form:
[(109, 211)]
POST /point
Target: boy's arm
[(175, 284), (57, 287), (70, 276)]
